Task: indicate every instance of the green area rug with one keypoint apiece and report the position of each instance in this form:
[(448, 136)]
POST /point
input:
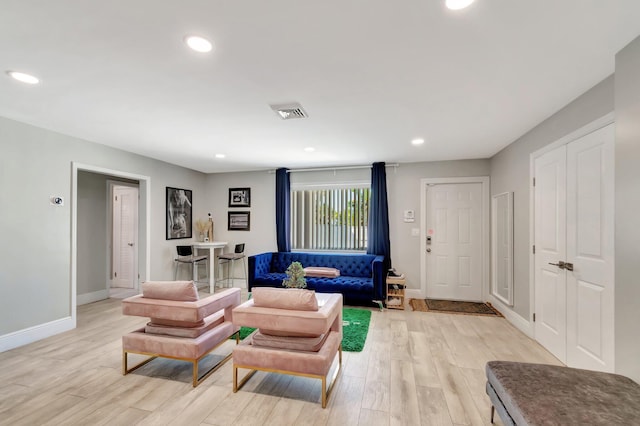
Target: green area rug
[(355, 326)]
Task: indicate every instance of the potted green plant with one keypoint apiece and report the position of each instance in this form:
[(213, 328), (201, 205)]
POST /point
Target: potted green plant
[(295, 276)]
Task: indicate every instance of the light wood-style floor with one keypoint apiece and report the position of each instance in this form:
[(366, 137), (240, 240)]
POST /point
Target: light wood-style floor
[(416, 368)]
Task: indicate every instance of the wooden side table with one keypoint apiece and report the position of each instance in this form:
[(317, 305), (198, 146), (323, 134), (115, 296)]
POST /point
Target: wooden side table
[(395, 292)]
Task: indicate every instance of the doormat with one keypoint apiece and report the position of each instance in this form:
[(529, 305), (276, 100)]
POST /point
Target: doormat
[(453, 307), (355, 327)]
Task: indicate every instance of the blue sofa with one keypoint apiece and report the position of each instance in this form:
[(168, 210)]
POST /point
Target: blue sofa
[(361, 280)]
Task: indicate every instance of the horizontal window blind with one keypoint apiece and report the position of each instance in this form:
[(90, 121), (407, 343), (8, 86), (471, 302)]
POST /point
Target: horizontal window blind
[(330, 219)]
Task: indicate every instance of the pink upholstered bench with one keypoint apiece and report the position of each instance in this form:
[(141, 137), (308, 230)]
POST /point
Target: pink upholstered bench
[(300, 333), (184, 329)]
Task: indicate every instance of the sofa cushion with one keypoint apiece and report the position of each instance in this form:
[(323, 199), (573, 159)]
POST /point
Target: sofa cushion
[(321, 271), (176, 323), (183, 291), (310, 344), (352, 265), (285, 298), (192, 332)]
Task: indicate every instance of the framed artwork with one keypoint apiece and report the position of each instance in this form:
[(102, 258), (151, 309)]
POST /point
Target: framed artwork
[(179, 213), (239, 197), (239, 221)]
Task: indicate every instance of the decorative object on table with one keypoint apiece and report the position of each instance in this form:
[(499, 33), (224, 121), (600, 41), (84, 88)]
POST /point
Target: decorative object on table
[(239, 197), (210, 228), (202, 226), (238, 221), (453, 307), (179, 217), (295, 276)]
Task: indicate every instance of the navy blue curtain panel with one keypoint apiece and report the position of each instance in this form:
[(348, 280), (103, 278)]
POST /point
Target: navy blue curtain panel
[(378, 233), (283, 209)]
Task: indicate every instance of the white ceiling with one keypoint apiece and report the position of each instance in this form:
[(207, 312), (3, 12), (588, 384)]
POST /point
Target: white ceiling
[(371, 74)]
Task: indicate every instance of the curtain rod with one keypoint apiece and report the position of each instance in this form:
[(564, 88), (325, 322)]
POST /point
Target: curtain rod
[(320, 169)]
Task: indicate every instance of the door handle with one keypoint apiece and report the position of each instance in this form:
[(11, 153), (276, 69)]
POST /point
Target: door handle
[(560, 264), (428, 250), (568, 266), (130, 244)]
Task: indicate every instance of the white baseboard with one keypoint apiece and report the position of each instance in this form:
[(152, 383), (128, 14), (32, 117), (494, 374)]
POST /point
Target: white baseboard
[(412, 293), (35, 333), (516, 320), (83, 299)]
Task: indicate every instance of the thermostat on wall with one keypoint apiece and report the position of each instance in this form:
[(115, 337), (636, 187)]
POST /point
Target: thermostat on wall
[(56, 200), (409, 216)]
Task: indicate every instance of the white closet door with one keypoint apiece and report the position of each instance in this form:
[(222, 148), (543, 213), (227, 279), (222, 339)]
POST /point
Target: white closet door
[(590, 204), (550, 243)]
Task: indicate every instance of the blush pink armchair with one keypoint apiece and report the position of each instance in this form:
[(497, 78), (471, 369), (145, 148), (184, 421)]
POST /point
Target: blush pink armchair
[(181, 325), (299, 332)]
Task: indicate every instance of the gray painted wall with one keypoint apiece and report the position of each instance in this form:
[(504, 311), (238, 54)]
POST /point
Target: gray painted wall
[(403, 193), (510, 172), (627, 199), (36, 164), (92, 233)]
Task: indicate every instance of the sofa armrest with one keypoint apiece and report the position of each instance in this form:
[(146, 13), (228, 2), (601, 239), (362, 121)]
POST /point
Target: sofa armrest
[(259, 264), (379, 278), (183, 311)]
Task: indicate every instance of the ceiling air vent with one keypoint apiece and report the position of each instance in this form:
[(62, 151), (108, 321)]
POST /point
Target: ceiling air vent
[(289, 111)]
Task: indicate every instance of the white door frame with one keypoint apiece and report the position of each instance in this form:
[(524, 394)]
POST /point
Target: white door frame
[(486, 201), (577, 134), (145, 184)]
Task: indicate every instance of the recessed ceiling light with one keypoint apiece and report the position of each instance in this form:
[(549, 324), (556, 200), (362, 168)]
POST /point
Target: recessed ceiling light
[(199, 44), (25, 78), (458, 4), (418, 141), (220, 155), (309, 149)]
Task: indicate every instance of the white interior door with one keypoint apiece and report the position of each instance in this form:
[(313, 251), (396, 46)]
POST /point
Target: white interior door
[(125, 237), (550, 248), (590, 205), (574, 204), (454, 253)]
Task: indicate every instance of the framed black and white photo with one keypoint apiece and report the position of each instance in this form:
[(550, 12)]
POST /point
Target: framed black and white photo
[(239, 197), (239, 221), (179, 213)]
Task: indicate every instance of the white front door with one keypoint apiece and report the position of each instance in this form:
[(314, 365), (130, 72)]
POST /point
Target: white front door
[(574, 224), (454, 249), (550, 248), (125, 237)]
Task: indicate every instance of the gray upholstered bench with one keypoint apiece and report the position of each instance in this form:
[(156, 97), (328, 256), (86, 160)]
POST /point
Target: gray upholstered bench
[(537, 394)]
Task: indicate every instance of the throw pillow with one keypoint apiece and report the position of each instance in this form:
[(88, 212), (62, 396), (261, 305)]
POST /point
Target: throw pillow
[(181, 291), (285, 298)]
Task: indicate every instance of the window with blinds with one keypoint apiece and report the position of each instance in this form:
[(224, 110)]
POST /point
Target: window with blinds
[(330, 219)]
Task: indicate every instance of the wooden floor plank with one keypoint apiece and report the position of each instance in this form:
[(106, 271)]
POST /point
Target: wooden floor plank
[(416, 368)]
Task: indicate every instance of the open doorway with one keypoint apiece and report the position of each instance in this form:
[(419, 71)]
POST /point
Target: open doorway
[(92, 232)]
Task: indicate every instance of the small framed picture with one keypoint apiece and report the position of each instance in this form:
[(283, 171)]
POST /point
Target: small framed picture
[(239, 197), (239, 221)]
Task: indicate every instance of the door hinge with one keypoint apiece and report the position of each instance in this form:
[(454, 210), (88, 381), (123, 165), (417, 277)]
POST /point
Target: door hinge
[(115, 274), (534, 317), (534, 181), (534, 249), (116, 198)]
